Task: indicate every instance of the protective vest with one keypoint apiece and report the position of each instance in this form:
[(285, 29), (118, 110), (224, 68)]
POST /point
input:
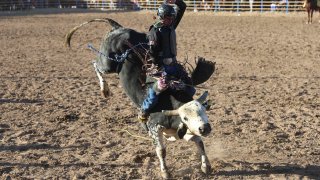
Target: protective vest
[(167, 42)]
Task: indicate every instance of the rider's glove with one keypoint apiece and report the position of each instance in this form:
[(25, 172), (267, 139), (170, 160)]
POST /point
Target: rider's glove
[(163, 82)]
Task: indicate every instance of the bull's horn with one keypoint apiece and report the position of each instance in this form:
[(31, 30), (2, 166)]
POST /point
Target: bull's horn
[(170, 112), (203, 97)]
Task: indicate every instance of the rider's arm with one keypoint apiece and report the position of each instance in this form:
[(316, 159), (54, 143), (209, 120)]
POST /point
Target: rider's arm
[(154, 45), (180, 11)]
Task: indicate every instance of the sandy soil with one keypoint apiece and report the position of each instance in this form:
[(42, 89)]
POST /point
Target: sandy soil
[(266, 92)]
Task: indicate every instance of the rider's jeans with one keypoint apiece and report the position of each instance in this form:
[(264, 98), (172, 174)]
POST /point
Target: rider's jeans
[(152, 99)]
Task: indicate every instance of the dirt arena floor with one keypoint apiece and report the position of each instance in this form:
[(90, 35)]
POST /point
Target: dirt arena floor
[(54, 124)]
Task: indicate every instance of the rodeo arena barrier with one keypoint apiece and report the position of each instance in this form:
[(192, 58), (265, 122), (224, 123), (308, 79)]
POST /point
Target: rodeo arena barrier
[(193, 5)]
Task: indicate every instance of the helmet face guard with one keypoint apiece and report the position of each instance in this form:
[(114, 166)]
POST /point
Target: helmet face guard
[(166, 10)]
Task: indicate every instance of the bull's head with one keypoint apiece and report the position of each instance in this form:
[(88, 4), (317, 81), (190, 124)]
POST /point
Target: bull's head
[(193, 115)]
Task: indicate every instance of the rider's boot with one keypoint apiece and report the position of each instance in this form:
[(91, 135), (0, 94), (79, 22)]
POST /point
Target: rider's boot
[(149, 102)]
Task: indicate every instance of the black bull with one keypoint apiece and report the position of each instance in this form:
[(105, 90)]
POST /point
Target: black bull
[(117, 42), (130, 69)]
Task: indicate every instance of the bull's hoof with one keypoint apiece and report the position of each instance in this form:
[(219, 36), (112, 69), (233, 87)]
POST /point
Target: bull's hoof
[(165, 175), (103, 94), (206, 169)]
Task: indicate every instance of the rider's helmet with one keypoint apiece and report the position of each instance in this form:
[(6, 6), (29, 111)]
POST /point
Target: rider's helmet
[(166, 10)]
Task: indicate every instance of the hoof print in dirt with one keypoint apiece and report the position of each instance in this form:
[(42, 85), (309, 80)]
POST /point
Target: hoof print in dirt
[(4, 127), (68, 117)]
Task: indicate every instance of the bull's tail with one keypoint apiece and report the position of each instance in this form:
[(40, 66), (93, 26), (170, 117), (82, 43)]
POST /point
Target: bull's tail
[(68, 36)]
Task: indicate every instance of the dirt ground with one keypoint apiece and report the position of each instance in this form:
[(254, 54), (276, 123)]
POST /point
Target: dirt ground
[(54, 124)]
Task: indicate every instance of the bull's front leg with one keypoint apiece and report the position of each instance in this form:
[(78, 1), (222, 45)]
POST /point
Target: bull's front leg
[(105, 91), (156, 132), (205, 164)]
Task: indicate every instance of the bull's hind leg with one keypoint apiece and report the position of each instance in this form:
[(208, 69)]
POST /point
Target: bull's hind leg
[(105, 91), (156, 132), (205, 164)]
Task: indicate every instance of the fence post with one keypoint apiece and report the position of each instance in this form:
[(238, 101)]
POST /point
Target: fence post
[(59, 4), (287, 6), (194, 6), (238, 2), (261, 8), (216, 5)]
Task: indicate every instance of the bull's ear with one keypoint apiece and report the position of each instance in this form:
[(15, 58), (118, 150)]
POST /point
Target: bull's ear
[(203, 97), (170, 112), (182, 130)]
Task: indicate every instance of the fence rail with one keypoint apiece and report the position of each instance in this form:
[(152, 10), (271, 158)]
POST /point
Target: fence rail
[(193, 5)]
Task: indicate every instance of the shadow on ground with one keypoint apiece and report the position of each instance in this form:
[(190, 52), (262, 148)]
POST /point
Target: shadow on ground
[(310, 171)]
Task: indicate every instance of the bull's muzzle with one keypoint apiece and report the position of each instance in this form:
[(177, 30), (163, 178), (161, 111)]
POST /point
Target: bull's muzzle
[(205, 129)]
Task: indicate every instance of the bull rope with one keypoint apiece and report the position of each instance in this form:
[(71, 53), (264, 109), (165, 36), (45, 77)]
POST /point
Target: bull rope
[(137, 136), (126, 129), (118, 58)]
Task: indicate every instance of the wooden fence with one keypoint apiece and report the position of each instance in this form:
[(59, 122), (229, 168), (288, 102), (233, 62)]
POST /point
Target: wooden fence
[(193, 5)]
